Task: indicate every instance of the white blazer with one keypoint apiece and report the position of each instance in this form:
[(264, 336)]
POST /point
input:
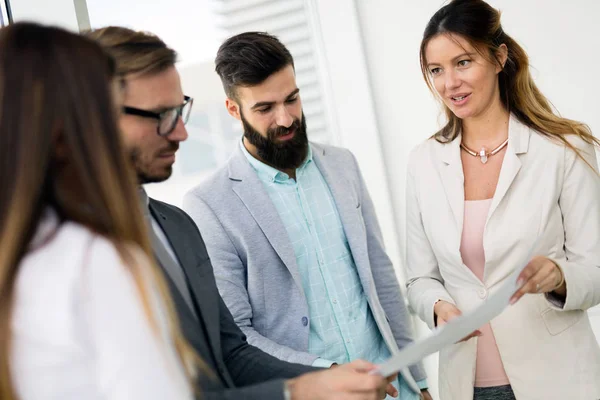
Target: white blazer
[(78, 327), (546, 192)]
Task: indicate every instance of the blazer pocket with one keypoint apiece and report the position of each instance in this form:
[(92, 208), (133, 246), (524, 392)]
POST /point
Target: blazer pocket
[(559, 321), (359, 213), (386, 317)]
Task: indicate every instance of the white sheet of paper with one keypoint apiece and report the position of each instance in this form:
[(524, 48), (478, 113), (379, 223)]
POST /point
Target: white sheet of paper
[(457, 328)]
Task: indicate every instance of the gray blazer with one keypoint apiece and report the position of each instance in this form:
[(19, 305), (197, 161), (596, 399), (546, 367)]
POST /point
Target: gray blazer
[(255, 265), (241, 371)]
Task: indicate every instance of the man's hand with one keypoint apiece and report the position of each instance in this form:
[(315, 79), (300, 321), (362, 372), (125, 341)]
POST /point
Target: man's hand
[(390, 389), (349, 381)]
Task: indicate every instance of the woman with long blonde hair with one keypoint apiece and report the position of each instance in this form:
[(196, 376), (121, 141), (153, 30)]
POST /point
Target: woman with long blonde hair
[(84, 314), (505, 184)]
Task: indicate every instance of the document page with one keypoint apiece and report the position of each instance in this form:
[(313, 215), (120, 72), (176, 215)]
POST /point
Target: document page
[(457, 328)]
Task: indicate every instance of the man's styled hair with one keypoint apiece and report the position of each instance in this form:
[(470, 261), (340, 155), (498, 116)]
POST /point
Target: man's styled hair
[(248, 59), (135, 52)]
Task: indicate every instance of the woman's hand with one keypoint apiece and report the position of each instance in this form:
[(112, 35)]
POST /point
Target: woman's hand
[(445, 312), (541, 275)]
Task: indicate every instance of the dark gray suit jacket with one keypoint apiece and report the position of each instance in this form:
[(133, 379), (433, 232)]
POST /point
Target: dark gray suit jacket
[(241, 371)]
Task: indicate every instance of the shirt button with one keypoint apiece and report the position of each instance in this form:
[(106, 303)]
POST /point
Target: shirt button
[(347, 340), (334, 301), (482, 293), (304, 321)]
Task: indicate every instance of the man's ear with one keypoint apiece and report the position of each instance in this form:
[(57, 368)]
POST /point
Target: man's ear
[(233, 108)]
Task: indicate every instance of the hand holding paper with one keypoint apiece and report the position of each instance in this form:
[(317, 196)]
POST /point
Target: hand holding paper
[(446, 312), (457, 328), (541, 275)]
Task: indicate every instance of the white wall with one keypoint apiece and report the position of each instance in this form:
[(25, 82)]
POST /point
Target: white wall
[(561, 40), (188, 26), (54, 12), (344, 63)]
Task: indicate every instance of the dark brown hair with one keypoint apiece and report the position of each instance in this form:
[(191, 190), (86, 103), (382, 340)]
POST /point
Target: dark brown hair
[(248, 59)]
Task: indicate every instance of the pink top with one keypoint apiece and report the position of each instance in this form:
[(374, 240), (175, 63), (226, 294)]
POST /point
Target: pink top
[(489, 369)]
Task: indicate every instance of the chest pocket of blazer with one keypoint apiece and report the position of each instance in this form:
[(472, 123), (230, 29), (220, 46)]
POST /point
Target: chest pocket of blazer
[(559, 321), (363, 225)]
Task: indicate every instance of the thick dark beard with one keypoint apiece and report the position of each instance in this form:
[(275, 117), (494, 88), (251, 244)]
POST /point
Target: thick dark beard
[(142, 175), (286, 155)]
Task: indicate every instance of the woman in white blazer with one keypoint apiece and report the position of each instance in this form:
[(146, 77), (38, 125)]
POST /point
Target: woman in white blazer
[(83, 313), (505, 183)]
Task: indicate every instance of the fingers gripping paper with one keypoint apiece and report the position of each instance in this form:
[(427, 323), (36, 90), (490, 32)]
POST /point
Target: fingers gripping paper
[(457, 328)]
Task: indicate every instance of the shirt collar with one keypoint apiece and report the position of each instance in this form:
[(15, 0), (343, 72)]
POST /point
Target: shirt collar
[(268, 173), (144, 200)]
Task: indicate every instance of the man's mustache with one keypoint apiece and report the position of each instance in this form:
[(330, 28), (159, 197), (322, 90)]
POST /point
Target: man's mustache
[(282, 130), (173, 147)]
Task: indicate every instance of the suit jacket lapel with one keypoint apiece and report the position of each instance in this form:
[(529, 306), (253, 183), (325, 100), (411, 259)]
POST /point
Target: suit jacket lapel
[(518, 143), (453, 176), (453, 181), (347, 202), (188, 262), (249, 188)]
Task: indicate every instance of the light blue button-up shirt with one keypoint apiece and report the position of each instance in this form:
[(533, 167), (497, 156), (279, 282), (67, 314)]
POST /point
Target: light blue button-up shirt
[(342, 327)]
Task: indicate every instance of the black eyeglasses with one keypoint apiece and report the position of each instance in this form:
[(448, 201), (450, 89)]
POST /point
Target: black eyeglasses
[(167, 120)]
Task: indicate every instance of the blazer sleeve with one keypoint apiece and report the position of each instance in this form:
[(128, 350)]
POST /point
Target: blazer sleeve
[(386, 282), (424, 280), (230, 274), (256, 374), (266, 390), (579, 203), (248, 364)]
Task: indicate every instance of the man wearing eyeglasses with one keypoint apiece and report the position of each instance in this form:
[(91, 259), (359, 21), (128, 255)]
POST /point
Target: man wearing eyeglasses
[(153, 124), (166, 118)]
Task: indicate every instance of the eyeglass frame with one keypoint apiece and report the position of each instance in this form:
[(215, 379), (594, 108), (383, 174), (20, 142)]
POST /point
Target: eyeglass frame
[(159, 116)]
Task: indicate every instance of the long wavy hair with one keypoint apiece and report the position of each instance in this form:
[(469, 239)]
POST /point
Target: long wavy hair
[(479, 24), (55, 86)]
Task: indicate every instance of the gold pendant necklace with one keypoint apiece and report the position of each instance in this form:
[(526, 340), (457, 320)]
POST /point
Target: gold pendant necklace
[(483, 154)]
